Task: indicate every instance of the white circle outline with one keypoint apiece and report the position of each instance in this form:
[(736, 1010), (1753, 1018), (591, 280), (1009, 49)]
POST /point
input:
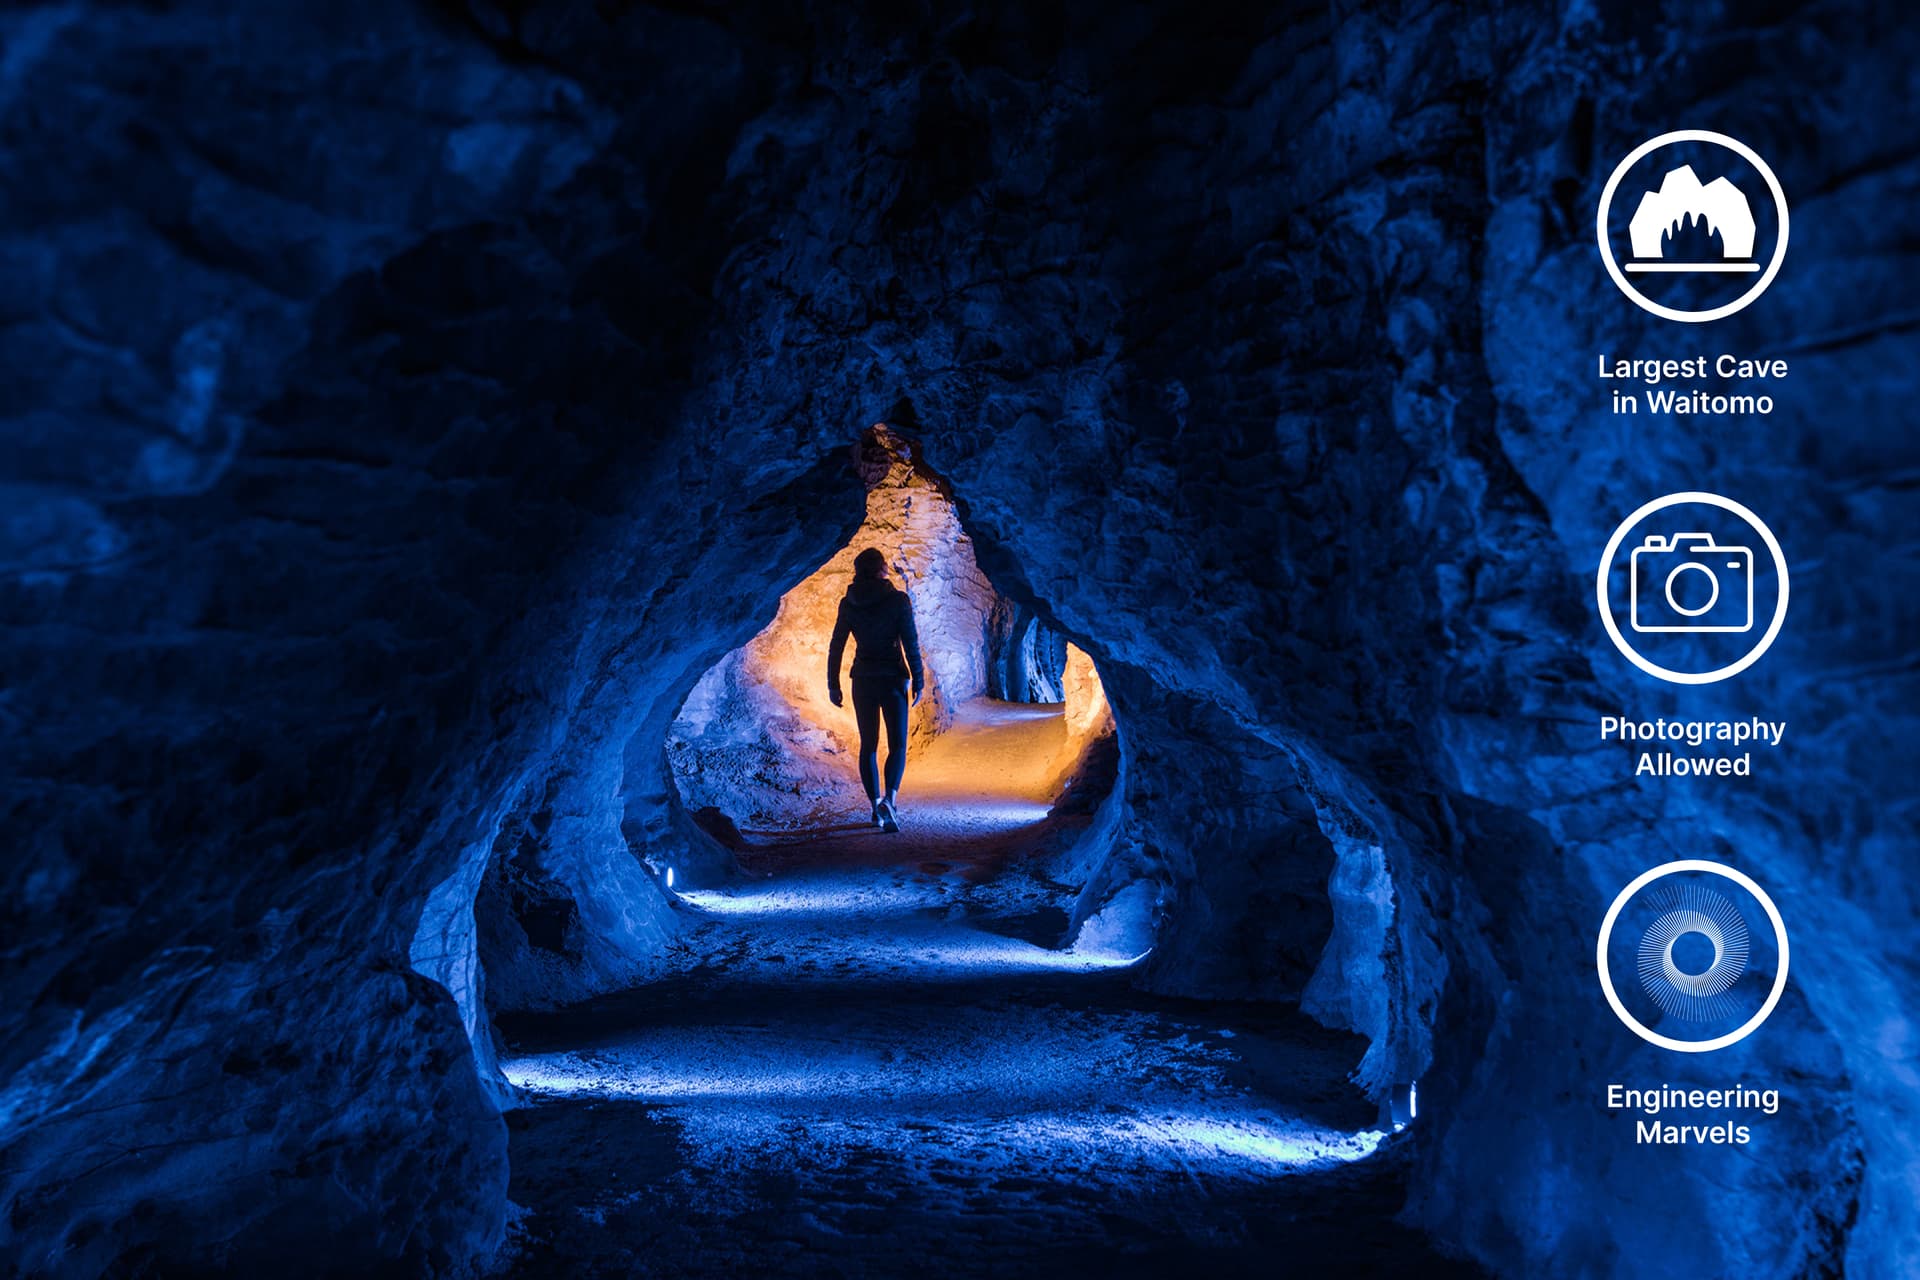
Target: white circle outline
[(1712, 600), (1606, 935), (1606, 608), (1740, 149)]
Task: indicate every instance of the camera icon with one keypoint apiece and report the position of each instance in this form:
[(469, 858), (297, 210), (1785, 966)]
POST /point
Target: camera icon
[(1703, 586)]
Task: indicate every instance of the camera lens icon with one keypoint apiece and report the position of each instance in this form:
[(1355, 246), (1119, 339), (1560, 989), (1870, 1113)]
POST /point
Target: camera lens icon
[(1692, 588), (1704, 586)]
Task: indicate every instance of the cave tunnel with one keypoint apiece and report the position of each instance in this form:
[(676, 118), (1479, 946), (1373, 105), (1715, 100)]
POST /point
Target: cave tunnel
[(858, 990), (435, 441), (1011, 709)]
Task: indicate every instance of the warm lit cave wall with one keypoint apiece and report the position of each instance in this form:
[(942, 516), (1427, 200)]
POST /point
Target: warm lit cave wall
[(758, 742), (403, 411), (755, 745), (758, 745)]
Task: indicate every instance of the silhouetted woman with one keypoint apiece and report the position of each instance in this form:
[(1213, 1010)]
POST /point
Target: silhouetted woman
[(886, 653)]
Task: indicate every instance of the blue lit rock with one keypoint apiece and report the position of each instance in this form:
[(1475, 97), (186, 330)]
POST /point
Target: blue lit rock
[(402, 412)]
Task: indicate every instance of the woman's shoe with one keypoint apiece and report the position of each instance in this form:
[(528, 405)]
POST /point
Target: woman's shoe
[(878, 821), (889, 820)]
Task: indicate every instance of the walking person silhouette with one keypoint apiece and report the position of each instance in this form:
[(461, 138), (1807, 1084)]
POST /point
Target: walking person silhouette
[(879, 617)]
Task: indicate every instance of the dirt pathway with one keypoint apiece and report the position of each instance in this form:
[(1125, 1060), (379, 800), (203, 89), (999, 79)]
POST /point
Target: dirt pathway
[(977, 796)]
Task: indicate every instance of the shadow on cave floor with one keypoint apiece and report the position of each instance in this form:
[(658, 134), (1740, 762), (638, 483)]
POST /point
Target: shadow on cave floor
[(869, 1058)]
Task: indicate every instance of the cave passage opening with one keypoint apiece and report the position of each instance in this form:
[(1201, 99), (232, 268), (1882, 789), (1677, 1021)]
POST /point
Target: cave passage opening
[(1011, 751), (896, 1027)]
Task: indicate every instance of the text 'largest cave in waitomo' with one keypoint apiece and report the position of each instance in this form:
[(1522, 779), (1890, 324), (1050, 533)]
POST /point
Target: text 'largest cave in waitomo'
[(1012, 640)]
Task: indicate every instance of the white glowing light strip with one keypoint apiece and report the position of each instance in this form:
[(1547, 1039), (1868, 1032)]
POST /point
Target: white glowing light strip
[(1200, 1137), (1221, 1141), (741, 1068), (1079, 1144), (812, 900), (563, 1073)]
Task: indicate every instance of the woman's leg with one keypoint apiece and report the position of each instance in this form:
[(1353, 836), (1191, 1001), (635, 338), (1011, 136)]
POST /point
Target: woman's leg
[(894, 704), (866, 714)]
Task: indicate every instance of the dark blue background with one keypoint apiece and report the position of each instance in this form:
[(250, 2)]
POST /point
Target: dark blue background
[(401, 405)]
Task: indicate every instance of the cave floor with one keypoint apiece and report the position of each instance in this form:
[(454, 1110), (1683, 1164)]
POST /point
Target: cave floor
[(974, 798), (868, 1060)]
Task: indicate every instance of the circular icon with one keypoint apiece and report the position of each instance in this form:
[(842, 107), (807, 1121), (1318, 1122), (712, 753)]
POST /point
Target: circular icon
[(1713, 589), (1693, 988), (1697, 988), (1679, 203), (1674, 559)]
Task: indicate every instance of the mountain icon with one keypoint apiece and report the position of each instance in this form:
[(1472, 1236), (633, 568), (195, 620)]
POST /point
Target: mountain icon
[(1678, 205)]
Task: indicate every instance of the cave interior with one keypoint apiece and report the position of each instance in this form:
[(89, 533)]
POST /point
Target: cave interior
[(437, 440)]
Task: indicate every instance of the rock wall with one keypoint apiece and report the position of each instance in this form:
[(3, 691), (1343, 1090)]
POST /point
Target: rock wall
[(243, 719), (404, 412), (1025, 660)]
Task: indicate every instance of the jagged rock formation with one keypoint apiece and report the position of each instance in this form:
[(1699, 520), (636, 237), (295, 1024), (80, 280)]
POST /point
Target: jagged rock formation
[(404, 410), (1718, 205)]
